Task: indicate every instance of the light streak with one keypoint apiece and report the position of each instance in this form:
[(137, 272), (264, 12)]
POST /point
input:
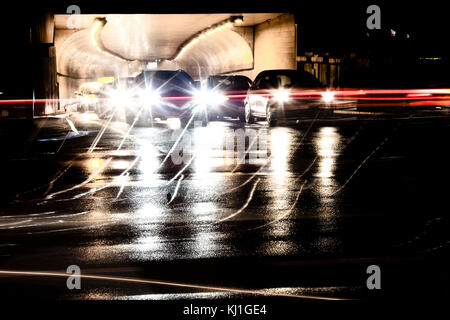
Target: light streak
[(362, 163), (281, 217), (96, 28), (250, 196), (89, 179), (437, 96), (170, 284), (202, 35), (177, 187)]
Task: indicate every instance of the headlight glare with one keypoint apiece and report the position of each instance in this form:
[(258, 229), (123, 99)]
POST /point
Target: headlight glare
[(150, 97), (327, 96), (282, 95), (120, 98), (207, 97)]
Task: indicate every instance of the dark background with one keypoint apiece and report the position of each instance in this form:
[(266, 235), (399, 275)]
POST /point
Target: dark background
[(336, 28)]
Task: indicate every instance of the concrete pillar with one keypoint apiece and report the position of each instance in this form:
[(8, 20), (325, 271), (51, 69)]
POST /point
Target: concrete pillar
[(275, 44)]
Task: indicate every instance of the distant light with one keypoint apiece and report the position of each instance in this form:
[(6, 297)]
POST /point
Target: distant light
[(393, 32), (95, 163), (412, 95), (327, 96), (282, 95), (120, 97), (150, 97), (88, 117), (120, 165), (98, 23), (209, 97), (430, 58), (152, 65), (105, 80), (91, 86), (173, 123), (208, 32)]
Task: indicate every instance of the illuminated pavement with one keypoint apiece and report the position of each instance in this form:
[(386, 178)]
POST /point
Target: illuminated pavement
[(331, 198)]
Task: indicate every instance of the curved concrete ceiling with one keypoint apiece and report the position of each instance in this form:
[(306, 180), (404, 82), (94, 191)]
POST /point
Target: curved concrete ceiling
[(78, 58), (149, 37), (222, 52)]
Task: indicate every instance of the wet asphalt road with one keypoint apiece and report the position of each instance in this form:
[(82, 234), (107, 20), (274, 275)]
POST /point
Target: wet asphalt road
[(306, 217)]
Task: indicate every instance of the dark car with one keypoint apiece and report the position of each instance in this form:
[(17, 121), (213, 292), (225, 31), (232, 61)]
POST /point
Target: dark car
[(227, 95), (286, 94), (161, 94)]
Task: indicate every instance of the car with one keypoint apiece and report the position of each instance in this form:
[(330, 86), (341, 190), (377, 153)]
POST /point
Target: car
[(161, 94), (88, 96), (114, 98), (197, 84), (286, 94), (227, 95)]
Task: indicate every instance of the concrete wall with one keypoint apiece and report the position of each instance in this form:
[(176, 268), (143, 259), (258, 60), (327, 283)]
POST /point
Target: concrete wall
[(275, 45)]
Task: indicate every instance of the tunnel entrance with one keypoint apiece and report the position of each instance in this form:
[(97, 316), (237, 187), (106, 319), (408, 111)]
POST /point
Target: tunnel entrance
[(93, 46)]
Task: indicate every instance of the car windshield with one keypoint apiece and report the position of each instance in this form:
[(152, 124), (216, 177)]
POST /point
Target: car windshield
[(289, 79), (166, 80), (229, 83)]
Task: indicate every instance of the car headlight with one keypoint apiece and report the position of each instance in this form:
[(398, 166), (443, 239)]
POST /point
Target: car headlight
[(120, 98), (282, 95), (327, 96), (86, 100), (150, 97), (206, 97)]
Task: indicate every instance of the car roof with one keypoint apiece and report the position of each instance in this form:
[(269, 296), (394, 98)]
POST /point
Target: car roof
[(163, 71), (281, 71)]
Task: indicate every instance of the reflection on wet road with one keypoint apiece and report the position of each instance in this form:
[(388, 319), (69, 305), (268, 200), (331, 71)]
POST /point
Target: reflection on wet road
[(118, 199)]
